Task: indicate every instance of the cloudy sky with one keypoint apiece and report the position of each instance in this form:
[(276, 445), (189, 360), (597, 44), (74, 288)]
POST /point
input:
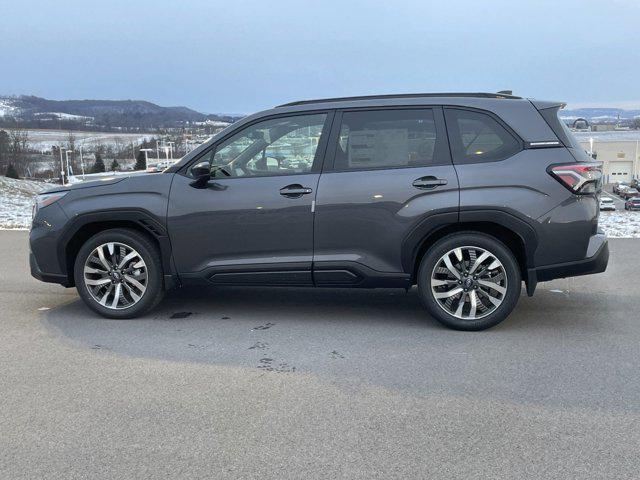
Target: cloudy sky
[(240, 56)]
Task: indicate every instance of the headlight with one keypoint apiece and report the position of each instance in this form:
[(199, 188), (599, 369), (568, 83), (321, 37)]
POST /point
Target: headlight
[(45, 199)]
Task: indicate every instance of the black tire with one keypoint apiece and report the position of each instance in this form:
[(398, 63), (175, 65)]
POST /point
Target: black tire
[(149, 253), (474, 239)]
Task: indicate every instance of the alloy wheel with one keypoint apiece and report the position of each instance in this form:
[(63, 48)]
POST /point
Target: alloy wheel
[(469, 282), (115, 275)]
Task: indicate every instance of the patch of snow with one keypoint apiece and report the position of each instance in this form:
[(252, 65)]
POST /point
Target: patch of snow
[(16, 202), (7, 108), (622, 224), (63, 116), (45, 139), (609, 136)]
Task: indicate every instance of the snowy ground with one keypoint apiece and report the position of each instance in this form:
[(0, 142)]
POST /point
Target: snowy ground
[(620, 224), (16, 200), (45, 139)]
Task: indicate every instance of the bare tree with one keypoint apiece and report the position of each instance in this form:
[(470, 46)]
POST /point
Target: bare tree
[(18, 148), (5, 148)]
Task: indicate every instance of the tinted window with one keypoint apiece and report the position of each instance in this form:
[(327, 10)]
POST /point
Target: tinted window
[(385, 139), (281, 146), (478, 137)]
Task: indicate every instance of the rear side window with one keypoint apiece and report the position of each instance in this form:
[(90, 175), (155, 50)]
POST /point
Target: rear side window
[(478, 137), (386, 139), (561, 130)]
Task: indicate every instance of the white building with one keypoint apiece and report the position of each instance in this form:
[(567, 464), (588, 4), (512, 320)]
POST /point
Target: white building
[(621, 158)]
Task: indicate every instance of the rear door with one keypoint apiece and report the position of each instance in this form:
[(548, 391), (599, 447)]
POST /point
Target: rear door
[(388, 176)]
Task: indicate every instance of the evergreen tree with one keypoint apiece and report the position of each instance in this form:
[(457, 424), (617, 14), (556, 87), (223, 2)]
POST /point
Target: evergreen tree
[(115, 166), (98, 166), (11, 172), (141, 161)]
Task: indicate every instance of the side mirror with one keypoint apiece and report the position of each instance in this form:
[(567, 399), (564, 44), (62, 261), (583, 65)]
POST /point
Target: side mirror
[(201, 181), (202, 174), (200, 169)]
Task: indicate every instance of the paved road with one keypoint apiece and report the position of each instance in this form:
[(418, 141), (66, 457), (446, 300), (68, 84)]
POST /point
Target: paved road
[(295, 383)]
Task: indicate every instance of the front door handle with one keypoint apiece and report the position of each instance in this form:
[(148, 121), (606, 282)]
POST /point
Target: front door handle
[(427, 183), (294, 191)]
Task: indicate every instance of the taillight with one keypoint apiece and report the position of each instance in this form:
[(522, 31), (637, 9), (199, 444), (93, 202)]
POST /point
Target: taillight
[(581, 178)]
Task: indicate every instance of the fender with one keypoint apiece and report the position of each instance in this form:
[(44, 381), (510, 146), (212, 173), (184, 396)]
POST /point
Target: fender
[(414, 240), (508, 219), (432, 224), (141, 217)]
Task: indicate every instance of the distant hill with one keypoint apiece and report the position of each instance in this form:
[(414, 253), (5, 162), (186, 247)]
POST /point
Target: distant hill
[(34, 111)]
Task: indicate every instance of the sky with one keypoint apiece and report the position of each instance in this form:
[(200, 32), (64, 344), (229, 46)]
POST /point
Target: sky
[(240, 56)]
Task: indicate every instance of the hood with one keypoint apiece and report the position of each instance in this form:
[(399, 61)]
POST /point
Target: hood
[(89, 184)]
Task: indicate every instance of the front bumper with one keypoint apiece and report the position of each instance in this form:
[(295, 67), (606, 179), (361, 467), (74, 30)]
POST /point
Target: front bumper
[(595, 262), (46, 277)]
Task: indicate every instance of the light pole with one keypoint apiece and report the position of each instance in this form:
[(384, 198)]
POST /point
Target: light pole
[(67, 152), (61, 166), (81, 162)]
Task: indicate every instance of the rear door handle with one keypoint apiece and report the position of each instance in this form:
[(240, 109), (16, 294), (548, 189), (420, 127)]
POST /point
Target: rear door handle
[(427, 183), (295, 190)]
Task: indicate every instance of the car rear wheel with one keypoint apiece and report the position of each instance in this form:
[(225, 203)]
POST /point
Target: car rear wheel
[(469, 281), (118, 273)]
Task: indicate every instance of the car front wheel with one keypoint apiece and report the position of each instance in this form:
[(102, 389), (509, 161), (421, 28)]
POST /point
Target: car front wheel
[(469, 281), (118, 273)]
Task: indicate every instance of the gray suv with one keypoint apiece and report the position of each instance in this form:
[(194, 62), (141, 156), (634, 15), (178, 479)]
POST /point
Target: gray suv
[(464, 195)]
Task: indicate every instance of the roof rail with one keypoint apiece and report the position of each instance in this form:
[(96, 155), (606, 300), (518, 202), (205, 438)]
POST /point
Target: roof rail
[(400, 95)]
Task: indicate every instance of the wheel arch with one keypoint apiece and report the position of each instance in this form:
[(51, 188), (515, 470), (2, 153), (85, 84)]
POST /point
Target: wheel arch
[(516, 234), (84, 226)]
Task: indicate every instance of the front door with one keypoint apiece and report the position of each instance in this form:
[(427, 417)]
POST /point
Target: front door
[(252, 223)]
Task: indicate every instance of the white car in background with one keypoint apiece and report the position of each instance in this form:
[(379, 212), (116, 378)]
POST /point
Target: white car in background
[(607, 203)]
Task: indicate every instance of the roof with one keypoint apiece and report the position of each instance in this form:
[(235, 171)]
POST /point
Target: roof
[(499, 95)]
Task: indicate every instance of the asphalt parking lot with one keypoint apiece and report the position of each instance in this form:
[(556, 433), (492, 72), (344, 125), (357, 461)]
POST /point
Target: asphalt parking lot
[(295, 383)]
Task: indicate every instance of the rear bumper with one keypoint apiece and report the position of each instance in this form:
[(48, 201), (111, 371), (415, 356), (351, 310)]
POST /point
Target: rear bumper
[(595, 262)]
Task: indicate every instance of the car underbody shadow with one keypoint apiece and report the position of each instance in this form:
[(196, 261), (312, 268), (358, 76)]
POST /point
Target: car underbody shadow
[(381, 337)]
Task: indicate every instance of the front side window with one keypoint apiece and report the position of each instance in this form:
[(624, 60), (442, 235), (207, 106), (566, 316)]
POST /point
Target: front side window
[(386, 139), (280, 146), (478, 137)]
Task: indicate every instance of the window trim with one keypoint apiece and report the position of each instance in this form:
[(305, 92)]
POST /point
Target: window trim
[(318, 159), (441, 147), (452, 131)]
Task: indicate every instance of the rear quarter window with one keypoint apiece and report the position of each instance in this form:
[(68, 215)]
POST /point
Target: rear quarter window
[(478, 137), (561, 130)]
